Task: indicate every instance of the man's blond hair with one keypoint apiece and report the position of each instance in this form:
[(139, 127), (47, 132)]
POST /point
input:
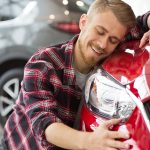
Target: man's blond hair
[(120, 9)]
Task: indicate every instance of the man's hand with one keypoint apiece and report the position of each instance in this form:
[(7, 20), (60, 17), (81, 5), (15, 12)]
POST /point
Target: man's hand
[(104, 139), (145, 39)]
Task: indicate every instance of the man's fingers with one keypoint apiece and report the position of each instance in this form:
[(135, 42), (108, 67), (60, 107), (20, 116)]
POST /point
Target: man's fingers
[(117, 144), (114, 134), (118, 135), (109, 139), (111, 123), (145, 39), (142, 42)]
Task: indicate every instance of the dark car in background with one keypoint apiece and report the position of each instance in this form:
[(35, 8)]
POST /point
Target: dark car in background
[(26, 26)]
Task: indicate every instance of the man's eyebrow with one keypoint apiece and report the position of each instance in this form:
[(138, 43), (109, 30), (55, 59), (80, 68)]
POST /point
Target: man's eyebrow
[(115, 37)]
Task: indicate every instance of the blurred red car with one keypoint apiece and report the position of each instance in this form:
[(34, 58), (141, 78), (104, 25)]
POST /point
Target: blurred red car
[(121, 88)]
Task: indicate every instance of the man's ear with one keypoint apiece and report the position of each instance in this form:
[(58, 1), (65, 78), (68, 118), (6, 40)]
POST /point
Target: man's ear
[(83, 21)]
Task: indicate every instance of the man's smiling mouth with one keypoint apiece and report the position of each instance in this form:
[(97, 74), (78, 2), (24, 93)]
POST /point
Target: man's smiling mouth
[(97, 51)]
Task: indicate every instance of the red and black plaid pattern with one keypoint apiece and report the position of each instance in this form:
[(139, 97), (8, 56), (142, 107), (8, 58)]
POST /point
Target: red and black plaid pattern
[(48, 94)]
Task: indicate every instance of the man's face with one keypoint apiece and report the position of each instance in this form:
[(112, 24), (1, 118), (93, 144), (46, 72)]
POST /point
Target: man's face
[(99, 37)]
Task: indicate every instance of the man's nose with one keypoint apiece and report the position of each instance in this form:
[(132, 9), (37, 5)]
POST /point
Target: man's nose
[(103, 42)]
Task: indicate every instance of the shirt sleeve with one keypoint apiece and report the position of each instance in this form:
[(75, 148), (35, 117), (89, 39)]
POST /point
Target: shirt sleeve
[(40, 83), (142, 21), (140, 28)]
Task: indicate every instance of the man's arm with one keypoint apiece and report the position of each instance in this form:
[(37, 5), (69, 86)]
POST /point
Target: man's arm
[(148, 21), (146, 37), (102, 138), (143, 23), (138, 32)]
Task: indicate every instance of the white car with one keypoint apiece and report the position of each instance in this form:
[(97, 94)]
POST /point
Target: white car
[(26, 26)]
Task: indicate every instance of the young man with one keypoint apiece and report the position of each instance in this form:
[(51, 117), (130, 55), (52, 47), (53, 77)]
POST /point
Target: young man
[(51, 91)]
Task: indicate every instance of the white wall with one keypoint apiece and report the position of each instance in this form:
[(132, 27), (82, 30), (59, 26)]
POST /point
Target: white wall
[(139, 6)]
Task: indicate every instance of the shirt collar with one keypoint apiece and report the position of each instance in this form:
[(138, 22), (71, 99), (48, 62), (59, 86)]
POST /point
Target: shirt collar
[(69, 71)]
